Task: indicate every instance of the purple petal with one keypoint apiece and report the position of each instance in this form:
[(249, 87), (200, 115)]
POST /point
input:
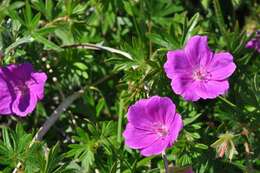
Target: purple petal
[(197, 51), (146, 112), (185, 86), (155, 148), (138, 116), (161, 109), (221, 66), (37, 84), (177, 63), (21, 71), (175, 129), (212, 89), (138, 138), (24, 103), (250, 44), (5, 97)]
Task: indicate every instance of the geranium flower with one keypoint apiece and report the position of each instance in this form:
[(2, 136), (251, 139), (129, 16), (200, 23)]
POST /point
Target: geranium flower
[(196, 72), (153, 125), (20, 89), (254, 43)]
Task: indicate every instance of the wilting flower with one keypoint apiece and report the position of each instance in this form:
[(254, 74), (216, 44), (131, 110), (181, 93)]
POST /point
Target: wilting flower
[(153, 125), (20, 89), (254, 43), (197, 72), (225, 146)]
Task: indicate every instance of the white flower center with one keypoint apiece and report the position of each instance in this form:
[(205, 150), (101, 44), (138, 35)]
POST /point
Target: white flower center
[(200, 74), (161, 130), (21, 87)]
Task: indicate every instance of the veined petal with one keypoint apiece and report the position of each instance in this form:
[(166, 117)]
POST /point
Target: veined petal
[(161, 109), (177, 63), (155, 148), (175, 128), (197, 51), (221, 66), (5, 96), (37, 84), (21, 71), (185, 86), (24, 103), (138, 116), (138, 138), (212, 89), (146, 112)]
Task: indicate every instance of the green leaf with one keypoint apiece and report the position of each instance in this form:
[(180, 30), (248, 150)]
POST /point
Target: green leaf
[(191, 25), (49, 8), (46, 42), (201, 146), (188, 121), (46, 30), (16, 5), (156, 38), (27, 39), (28, 12), (101, 104), (80, 66), (219, 16), (13, 14), (35, 21)]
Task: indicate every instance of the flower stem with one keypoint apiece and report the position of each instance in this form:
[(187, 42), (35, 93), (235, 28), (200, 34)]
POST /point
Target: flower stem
[(227, 101), (120, 120), (165, 161)]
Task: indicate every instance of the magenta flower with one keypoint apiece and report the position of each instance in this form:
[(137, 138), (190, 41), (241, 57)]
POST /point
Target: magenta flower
[(153, 125), (254, 43), (196, 72), (20, 89)]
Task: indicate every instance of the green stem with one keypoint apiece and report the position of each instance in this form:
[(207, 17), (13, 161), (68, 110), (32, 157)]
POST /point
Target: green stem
[(120, 119), (227, 101), (165, 161), (157, 51)]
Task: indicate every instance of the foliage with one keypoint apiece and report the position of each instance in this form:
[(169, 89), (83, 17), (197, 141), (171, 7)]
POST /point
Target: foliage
[(115, 50)]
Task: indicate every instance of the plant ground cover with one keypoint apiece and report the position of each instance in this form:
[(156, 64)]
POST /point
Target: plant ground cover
[(74, 74)]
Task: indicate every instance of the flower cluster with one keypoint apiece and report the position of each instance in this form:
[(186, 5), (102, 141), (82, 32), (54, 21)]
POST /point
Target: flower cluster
[(153, 123), (21, 88), (195, 72)]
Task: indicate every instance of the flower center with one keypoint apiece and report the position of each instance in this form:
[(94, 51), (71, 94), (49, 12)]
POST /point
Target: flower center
[(161, 130), (21, 87), (200, 74)]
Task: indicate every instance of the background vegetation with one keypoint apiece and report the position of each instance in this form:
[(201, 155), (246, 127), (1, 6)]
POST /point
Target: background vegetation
[(103, 55)]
